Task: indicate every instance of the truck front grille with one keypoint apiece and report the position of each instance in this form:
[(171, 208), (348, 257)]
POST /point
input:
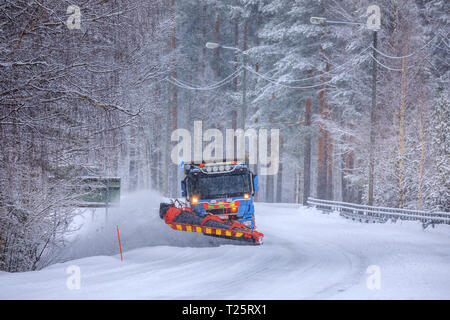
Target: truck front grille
[(221, 211)]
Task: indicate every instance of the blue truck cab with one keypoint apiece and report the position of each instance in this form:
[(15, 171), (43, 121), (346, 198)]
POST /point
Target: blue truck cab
[(224, 189)]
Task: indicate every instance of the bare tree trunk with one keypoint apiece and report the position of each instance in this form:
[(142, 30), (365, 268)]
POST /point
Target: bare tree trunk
[(307, 155), (236, 54), (402, 134), (269, 188), (270, 181), (330, 195), (204, 8), (280, 174), (422, 153), (322, 152), (395, 9), (217, 52), (132, 169), (235, 82), (173, 173)]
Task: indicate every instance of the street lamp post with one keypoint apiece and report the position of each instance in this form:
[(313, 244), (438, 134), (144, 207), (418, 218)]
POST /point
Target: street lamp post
[(213, 45), (373, 23)]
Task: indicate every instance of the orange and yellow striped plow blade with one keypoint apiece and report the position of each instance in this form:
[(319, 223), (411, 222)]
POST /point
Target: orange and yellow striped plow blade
[(218, 231)]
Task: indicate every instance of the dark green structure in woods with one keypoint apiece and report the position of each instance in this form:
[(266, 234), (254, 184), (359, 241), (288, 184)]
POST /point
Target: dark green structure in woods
[(90, 188)]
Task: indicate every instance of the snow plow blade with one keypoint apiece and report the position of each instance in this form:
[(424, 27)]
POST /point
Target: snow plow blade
[(184, 219)]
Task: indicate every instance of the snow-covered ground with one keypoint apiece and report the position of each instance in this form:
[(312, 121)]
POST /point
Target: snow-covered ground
[(305, 255)]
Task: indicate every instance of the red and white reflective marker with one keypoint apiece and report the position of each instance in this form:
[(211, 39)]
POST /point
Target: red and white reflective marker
[(120, 245)]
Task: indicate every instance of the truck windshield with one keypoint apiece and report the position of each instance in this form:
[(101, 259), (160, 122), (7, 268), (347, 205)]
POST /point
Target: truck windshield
[(221, 186)]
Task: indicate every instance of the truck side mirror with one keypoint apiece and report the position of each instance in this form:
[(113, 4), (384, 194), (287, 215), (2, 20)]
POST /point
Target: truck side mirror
[(255, 183), (183, 189)]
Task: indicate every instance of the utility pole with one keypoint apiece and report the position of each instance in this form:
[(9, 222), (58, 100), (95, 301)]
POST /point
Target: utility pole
[(373, 119), (373, 23)]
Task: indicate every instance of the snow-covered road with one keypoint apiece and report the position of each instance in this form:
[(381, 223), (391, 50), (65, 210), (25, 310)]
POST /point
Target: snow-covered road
[(305, 255)]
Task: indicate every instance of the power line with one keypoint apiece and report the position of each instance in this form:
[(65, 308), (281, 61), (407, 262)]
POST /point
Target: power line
[(182, 85), (193, 88), (281, 83), (384, 66), (216, 85), (395, 69), (408, 55), (235, 74), (284, 85), (325, 72)]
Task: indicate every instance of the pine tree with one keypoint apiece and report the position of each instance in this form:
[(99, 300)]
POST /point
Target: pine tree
[(438, 193)]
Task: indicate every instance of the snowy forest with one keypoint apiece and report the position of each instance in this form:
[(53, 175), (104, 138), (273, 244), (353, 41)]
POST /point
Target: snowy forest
[(110, 93)]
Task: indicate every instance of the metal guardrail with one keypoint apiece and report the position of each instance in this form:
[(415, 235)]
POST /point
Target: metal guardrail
[(370, 214)]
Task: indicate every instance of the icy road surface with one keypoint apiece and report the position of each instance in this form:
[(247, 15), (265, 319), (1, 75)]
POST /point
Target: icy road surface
[(305, 255)]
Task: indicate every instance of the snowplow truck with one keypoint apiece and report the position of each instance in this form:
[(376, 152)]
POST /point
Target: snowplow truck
[(219, 201)]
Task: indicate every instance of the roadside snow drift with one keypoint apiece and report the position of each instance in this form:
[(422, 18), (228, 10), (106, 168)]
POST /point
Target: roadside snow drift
[(305, 255)]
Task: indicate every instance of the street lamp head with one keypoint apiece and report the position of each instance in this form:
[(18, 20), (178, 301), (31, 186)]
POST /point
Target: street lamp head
[(317, 20), (212, 45)]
